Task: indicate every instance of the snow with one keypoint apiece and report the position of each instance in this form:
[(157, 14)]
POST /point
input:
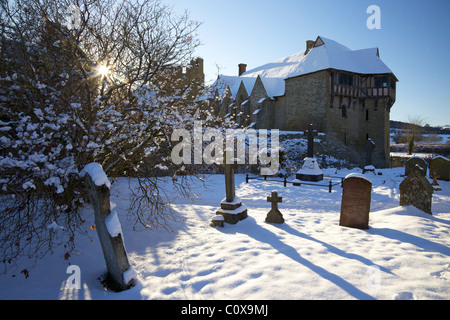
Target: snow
[(97, 174), (129, 275), (113, 224), (403, 255), (358, 175), (310, 167)]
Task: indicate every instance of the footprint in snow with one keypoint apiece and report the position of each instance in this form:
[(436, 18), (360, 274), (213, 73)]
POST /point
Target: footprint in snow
[(442, 274)]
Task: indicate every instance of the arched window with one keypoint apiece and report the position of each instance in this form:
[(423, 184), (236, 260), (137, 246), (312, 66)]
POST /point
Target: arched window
[(344, 111)]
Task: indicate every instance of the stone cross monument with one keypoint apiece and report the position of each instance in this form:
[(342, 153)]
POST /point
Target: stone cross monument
[(274, 215), (231, 208)]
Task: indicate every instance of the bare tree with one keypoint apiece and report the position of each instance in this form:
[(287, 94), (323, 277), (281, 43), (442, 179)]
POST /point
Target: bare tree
[(413, 131), (88, 81)]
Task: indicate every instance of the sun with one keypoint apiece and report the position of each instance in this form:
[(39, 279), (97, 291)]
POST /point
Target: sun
[(103, 70)]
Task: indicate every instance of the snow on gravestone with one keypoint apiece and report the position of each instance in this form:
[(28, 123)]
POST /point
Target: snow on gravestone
[(356, 197), (411, 163), (108, 228)]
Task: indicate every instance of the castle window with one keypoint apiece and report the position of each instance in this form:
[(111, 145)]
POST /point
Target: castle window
[(345, 79), (381, 82), (367, 115), (344, 111)]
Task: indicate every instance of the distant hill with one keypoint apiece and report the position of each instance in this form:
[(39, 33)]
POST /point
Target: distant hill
[(426, 128)]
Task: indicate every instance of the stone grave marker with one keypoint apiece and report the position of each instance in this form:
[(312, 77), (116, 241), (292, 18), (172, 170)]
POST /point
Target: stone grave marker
[(440, 166), (416, 190), (120, 274), (435, 184), (311, 133), (411, 163), (310, 170), (231, 208), (356, 197), (274, 215), (369, 146)]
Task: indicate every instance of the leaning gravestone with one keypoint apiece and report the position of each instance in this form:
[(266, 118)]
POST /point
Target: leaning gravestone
[(356, 197), (274, 215), (440, 167), (411, 163), (416, 190), (107, 224)]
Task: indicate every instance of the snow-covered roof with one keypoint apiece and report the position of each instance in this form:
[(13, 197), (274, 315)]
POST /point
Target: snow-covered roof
[(326, 54)]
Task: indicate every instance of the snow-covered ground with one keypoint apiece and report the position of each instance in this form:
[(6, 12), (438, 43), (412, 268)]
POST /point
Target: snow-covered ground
[(405, 253)]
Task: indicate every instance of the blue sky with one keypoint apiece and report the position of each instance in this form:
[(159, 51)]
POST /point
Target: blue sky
[(414, 41)]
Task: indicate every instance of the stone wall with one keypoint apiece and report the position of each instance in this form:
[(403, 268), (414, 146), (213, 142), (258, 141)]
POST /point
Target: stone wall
[(306, 99), (350, 122)]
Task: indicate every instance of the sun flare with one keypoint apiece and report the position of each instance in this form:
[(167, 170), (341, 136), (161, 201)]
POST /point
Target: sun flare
[(103, 70)]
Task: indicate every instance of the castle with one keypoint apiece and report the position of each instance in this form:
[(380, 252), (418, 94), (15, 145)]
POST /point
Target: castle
[(346, 94)]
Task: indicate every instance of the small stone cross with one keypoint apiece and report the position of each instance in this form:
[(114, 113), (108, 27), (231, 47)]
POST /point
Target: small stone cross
[(274, 215), (435, 177), (275, 199)]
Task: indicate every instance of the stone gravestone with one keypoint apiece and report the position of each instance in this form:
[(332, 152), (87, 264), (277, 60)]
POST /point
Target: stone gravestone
[(120, 274), (231, 208), (440, 167), (274, 215), (411, 163), (416, 190), (369, 146), (310, 170), (356, 197), (311, 133)]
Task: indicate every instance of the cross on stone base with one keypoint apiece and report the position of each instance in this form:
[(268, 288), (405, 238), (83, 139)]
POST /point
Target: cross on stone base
[(231, 208), (435, 184), (310, 133), (274, 215)]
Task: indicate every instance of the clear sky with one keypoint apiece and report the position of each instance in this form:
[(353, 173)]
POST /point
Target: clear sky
[(414, 41)]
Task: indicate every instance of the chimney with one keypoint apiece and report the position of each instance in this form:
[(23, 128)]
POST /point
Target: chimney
[(242, 68), (309, 46)]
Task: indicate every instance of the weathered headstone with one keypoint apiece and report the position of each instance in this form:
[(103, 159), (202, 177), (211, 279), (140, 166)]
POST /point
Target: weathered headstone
[(411, 163), (231, 208), (356, 197), (274, 215), (120, 274), (416, 190), (440, 166), (369, 146)]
